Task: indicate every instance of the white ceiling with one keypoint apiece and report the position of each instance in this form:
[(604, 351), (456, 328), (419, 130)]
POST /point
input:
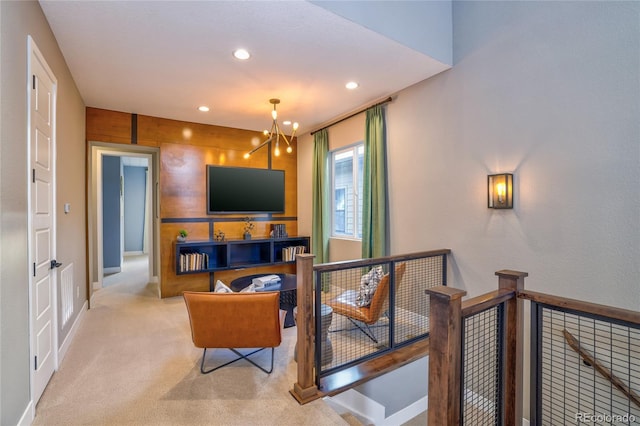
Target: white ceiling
[(165, 58)]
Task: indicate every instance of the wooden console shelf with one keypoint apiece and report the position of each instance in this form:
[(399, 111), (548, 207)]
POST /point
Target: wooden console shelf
[(210, 256)]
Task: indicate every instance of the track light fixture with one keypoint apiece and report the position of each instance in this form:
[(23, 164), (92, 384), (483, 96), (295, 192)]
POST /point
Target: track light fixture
[(275, 133)]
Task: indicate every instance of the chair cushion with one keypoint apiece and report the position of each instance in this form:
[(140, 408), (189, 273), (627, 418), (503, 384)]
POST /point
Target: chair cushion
[(345, 303)]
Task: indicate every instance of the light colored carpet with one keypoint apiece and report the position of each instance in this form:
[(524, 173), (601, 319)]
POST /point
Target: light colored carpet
[(132, 362)]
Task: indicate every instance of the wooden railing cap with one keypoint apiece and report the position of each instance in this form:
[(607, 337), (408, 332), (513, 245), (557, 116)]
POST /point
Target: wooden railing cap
[(510, 273), (305, 255), (448, 293)]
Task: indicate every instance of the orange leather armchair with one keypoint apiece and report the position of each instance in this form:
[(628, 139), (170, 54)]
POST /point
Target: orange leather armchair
[(345, 304), (234, 321)]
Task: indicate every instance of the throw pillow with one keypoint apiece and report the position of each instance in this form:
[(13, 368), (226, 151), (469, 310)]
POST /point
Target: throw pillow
[(222, 288), (251, 288), (368, 284)]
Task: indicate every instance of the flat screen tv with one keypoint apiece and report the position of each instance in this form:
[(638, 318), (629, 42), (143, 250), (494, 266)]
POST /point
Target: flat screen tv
[(244, 190)]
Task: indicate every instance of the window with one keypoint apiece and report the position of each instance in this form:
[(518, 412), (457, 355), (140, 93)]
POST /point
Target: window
[(346, 187)]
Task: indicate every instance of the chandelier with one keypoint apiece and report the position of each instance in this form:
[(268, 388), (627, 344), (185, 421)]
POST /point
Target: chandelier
[(275, 133)]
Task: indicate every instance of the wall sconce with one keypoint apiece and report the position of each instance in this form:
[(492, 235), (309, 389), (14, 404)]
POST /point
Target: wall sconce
[(500, 190)]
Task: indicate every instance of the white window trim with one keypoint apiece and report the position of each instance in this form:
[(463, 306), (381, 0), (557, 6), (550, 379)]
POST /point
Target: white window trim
[(356, 222)]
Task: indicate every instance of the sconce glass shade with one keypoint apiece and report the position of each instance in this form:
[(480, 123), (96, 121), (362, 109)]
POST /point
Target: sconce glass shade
[(500, 190)]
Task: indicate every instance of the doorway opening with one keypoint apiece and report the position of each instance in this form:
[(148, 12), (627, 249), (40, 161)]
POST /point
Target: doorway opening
[(123, 214)]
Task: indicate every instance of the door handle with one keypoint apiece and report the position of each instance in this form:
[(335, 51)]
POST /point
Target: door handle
[(55, 264)]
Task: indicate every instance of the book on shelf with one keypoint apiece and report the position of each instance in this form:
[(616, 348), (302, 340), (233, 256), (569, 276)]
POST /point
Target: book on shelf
[(289, 253), (193, 261), (279, 230)]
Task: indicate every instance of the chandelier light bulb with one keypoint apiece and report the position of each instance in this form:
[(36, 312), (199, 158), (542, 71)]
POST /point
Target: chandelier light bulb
[(277, 151), (247, 155), (289, 150), (274, 113), (295, 125)]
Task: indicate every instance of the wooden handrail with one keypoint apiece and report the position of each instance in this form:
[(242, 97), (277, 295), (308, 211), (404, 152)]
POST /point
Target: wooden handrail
[(337, 266), (619, 314), (606, 373), (488, 300)]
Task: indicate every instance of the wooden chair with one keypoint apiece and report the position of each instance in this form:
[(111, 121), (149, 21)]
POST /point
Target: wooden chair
[(234, 321), (345, 304)]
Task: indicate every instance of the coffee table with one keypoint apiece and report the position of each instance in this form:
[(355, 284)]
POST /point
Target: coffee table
[(288, 292)]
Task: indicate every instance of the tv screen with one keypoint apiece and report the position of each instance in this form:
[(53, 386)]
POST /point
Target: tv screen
[(244, 190)]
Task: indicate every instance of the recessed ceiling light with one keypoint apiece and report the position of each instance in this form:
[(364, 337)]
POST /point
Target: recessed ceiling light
[(203, 108), (351, 85), (287, 122), (241, 54)]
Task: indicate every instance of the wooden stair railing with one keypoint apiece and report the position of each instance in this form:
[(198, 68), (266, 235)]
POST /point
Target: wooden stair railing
[(446, 376), (309, 386), (445, 358), (597, 356)]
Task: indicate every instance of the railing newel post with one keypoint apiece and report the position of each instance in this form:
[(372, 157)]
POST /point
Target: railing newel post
[(305, 388), (514, 346), (445, 361)]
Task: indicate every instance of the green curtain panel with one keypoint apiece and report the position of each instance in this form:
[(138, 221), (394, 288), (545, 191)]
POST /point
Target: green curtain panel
[(374, 187), (321, 223)]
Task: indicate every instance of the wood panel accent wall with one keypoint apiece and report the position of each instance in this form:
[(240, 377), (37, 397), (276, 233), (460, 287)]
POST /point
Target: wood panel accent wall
[(185, 150)]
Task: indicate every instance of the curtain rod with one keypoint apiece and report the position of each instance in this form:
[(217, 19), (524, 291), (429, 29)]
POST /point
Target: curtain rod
[(389, 99)]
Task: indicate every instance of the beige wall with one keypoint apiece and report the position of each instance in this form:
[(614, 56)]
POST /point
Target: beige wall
[(18, 20), (525, 95), (549, 91)]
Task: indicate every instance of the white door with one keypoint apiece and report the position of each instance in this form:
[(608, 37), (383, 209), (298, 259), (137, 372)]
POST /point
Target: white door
[(42, 205)]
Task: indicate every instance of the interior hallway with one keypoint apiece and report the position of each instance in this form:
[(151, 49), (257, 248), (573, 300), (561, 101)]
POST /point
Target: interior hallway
[(132, 362)]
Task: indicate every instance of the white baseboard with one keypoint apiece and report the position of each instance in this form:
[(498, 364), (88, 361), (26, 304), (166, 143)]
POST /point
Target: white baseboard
[(525, 422), (28, 415), (153, 280), (112, 270), (72, 332)]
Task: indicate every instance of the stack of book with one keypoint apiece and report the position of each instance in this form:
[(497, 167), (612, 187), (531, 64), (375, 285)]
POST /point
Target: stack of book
[(279, 230), (289, 253), (193, 261), (267, 282)]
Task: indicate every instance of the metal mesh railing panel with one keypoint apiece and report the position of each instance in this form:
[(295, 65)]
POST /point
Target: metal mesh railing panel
[(572, 390), (482, 368), (411, 303), (350, 340)]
